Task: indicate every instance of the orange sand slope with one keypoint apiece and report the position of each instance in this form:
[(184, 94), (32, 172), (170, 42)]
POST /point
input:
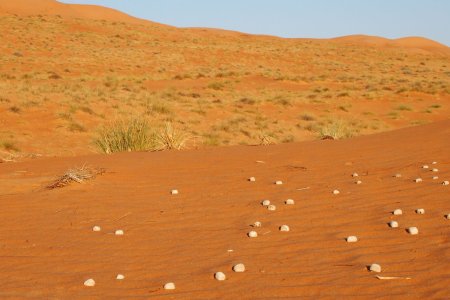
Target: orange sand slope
[(48, 248)]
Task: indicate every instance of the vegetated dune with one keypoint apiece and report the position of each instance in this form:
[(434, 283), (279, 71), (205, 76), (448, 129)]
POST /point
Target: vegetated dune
[(48, 248), (67, 70)]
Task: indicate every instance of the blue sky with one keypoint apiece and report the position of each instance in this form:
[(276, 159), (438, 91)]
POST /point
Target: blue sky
[(298, 18)]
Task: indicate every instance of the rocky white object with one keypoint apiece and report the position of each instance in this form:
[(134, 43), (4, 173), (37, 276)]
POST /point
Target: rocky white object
[(397, 212), (96, 228), (418, 180), (413, 230), (272, 207), (435, 177), (398, 175), (446, 183), (435, 170), (355, 175), (119, 232), (239, 268), (336, 192), (90, 282), (375, 268), (425, 167), (434, 162), (265, 202), (252, 234), (393, 224), (420, 211), (284, 228), (174, 192), (252, 179), (120, 277), (358, 182), (169, 286), (220, 276), (448, 217), (278, 182), (352, 239), (257, 224), (289, 202)]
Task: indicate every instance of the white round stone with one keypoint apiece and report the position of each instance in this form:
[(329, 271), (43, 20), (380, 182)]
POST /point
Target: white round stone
[(220, 276), (174, 192), (446, 183), (252, 234), (358, 182), (239, 268), (252, 179), (96, 228), (447, 217), (355, 175), (413, 230), (289, 202), (418, 180), (119, 232), (397, 212), (257, 224), (336, 192), (278, 182), (272, 207), (420, 211), (393, 224), (435, 177), (169, 286), (284, 228), (265, 202), (352, 239), (425, 166), (435, 170), (90, 282), (434, 163), (375, 268), (398, 175), (120, 277)]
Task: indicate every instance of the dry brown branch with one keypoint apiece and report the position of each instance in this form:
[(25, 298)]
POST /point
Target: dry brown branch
[(79, 175)]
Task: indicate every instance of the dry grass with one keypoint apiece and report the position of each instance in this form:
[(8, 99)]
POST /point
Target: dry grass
[(79, 175), (171, 138)]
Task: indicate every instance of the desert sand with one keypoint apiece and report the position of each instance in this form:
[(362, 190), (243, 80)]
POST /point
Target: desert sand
[(176, 224), (48, 248)]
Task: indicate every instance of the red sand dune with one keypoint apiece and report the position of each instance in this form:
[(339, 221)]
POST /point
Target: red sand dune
[(47, 247)]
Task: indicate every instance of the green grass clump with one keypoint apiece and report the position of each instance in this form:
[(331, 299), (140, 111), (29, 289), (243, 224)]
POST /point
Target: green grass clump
[(125, 135)]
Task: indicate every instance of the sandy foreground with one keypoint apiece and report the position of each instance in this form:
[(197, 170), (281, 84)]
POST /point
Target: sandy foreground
[(48, 248)]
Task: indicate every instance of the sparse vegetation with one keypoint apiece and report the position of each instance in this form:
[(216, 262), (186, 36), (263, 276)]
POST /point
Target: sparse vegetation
[(337, 129), (79, 175)]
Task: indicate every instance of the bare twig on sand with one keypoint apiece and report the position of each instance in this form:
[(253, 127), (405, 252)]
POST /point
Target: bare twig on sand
[(75, 175), (390, 277)]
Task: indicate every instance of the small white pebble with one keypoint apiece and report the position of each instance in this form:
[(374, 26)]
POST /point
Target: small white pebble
[(169, 286), (220, 276), (96, 228), (252, 234), (284, 228), (375, 268), (413, 230), (289, 202), (425, 166), (445, 183), (174, 192), (239, 268), (120, 277), (434, 163), (418, 180), (358, 182), (435, 170), (336, 192), (447, 217), (397, 212), (278, 182), (420, 211), (89, 282), (355, 175), (272, 207), (257, 224), (435, 177), (398, 175), (252, 179), (352, 239), (265, 202), (393, 224), (119, 232)]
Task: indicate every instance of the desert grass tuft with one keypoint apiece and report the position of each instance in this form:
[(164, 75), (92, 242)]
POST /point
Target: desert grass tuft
[(170, 138), (79, 175), (337, 129)]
